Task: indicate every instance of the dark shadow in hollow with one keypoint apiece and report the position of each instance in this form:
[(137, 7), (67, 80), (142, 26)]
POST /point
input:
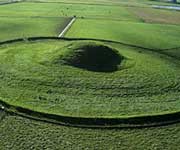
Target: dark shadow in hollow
[(98, 58)]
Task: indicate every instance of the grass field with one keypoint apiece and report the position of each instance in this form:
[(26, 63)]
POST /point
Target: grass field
[(111, 2), (21, 27), (161, 36), (54, 93), (67, 10), (20, 133)]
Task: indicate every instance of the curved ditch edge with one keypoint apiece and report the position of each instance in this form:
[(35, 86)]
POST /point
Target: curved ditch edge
[(2, 115), (111, 123), (160, 51), (73, 39)]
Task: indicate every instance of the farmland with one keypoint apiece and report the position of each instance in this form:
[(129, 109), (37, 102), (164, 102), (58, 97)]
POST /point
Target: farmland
[(21, 27), (162, 36), (112, 81)]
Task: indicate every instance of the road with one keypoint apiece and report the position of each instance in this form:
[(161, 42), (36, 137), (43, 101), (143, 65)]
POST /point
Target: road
[(67, 27)]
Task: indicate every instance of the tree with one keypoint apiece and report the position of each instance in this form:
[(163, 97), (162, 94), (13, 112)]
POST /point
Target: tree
[(174, 1)]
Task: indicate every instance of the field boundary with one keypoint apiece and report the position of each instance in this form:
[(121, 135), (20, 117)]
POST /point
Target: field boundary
[(68, 26), (2, 115), (73, 39), (159, 51), (124, 122)]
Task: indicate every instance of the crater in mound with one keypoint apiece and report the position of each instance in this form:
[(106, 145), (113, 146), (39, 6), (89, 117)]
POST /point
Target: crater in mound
[(92, 57)]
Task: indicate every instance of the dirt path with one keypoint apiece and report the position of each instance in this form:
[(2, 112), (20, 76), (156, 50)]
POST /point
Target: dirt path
[(67, 27)]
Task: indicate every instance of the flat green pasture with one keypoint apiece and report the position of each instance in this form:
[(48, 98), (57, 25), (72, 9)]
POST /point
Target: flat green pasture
[(110, 2), (146, 35), (97, 2), (12, 28), (67, 10)]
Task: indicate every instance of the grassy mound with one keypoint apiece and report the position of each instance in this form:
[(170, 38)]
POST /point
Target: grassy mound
[(35, 75), (92, 56)]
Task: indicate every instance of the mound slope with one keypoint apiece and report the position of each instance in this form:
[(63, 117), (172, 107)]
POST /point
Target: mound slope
[(91, 56), (38, 75)]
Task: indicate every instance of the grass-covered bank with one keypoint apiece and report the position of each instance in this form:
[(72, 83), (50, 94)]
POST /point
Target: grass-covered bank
[(34, 76), (20, 133)]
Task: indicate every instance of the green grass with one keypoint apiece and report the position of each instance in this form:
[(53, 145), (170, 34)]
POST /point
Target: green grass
[(21, 27), (63, 9), (173, 52), (147, 83), (33, 76), (96, 2), (20, 133), (155, 36), (110, 2)]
